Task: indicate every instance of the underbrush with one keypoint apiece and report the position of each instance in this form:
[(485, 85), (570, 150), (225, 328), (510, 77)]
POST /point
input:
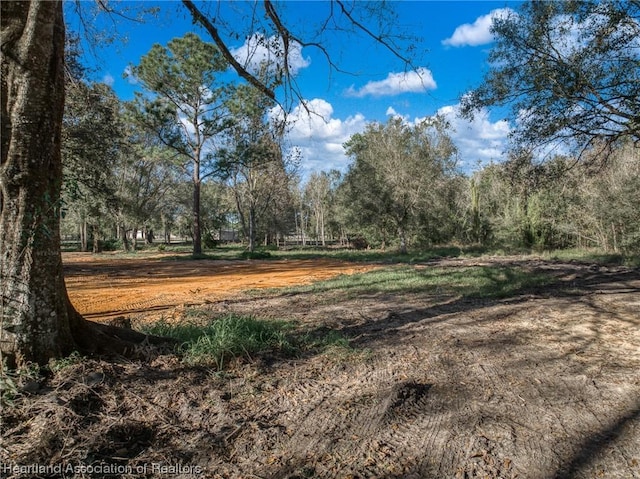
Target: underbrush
[(254, 255), (389, 256), (593, 256)]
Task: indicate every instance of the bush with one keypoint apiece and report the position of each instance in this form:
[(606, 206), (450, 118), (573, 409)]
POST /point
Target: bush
[(359, 243), (112, 244), (255, 255), (208, 241)]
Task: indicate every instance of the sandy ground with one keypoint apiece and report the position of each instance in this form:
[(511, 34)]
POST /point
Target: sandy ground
[(543, 384), (103, 287)]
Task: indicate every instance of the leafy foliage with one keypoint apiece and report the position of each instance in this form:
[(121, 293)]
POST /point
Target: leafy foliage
[(188, 111), (397, 180), (568, 71)]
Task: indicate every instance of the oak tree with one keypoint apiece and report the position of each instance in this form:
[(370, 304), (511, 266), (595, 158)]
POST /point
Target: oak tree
[(396, 174), (37, 320), (568, 71)]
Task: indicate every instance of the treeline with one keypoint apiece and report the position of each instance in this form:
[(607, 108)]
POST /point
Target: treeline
[(402, 190), (202, 159)]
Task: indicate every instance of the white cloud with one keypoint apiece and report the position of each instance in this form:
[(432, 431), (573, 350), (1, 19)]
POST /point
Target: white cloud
[(258, 49), (318, 136), (108, 79), (479, 140), (132, 79), (391, 111), (478, 32), (415, 81)]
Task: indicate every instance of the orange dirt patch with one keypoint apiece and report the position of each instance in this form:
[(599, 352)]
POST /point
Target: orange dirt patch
[(103, 287)]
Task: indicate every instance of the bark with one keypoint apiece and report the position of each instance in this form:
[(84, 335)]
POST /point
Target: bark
[(252, 228), (84, 235), (38, 321), (95, 232), (35, 309), (403, 240), (197, 233)]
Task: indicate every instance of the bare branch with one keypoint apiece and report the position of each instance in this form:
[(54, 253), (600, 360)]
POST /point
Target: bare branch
[(199, 17), (377, 38)]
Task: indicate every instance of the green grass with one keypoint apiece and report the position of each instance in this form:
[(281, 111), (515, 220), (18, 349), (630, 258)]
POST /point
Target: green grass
[(234, 251), (57, 365), (258, 254), (218, 340), (379, 256), (593, 256), (470, 281)]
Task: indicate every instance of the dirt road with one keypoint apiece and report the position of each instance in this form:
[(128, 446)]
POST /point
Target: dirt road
[(544, 384)]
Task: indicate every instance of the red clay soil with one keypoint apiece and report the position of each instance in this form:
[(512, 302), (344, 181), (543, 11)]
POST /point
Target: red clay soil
[(107, 286)]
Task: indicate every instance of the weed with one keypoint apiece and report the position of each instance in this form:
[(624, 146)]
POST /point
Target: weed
[(11, 381), (57, 365), (220, 339), (254, 255), (593, 256)]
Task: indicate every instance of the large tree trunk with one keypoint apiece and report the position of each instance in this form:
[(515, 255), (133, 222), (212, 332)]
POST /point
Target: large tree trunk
[(38, 321), (35, 310)]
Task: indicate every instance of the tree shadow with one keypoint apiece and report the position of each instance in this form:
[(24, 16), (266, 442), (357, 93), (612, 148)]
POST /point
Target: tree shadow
[(590, 450), (567, 284), (203, 416)]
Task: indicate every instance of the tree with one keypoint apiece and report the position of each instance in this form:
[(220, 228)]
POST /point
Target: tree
[(188, 112), (397, 174), (142, 178), (604, 208), (568, 71), (36, 312), (38, 322), (92, 139), (253, 163), (319, 191)]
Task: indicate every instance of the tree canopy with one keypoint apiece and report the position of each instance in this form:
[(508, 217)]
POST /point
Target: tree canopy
[(568, 71), (188, 111), (396, 174)]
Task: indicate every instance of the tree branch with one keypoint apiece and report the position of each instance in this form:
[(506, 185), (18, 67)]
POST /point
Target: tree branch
[(199, 17)]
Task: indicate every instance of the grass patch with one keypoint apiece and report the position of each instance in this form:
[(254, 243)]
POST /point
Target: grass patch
[(471, 281), (379, 256), (593, 256), (217, 342), (221, 339), (254, 255), (57, 365)]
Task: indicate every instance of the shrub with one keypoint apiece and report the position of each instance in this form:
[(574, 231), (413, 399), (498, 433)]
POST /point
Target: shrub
[(255, 255)]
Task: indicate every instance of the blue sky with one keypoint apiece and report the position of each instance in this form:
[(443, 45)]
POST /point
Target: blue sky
[(451, 56)]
